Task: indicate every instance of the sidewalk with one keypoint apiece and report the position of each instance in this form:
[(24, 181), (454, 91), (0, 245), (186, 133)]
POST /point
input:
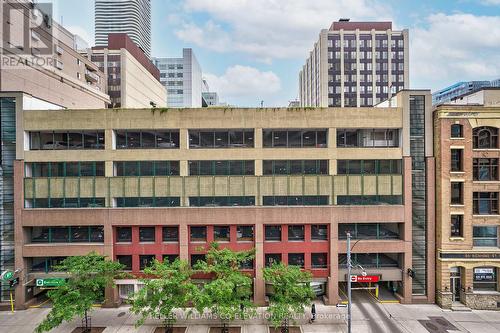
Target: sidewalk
[(377, 318)]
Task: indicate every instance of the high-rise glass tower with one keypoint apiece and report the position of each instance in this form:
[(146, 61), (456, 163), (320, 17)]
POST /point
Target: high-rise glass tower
[(132, 17)]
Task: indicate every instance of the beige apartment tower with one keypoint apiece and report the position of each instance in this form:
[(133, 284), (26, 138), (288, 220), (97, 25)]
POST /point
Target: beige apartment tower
[(356, 64)]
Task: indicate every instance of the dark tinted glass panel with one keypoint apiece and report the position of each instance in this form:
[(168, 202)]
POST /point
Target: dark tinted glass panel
[(319, 260), (170, 234), (296, 259), (221, 233), (146, 234), (245, 233), (319, 232), (272, 258), (145, 261), (198, 234), (273, 233), (126, 261), (124, 234)]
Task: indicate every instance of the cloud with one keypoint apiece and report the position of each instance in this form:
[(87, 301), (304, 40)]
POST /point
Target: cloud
[(454, 48), (268, 30), (490, 2), (244, 83)]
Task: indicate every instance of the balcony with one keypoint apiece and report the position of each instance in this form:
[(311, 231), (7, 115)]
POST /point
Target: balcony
[(91, 76)]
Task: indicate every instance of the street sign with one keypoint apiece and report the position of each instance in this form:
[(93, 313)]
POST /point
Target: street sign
[(7, 275), (342, 305), (50, 282), (367, 278)]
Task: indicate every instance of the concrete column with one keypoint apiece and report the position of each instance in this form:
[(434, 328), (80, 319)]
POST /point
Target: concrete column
[(407, 260), (374, 70), (183, 241), (333, 279), (341, 68), (358, 83), (431, 229), (19, 237), (259, 284), (389, 62)]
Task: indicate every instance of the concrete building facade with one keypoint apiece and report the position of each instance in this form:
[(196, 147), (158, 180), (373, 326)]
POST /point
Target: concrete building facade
[(467, 194), (133, 81), (182, 77), (132, 17), (355, 64), (136, 185)]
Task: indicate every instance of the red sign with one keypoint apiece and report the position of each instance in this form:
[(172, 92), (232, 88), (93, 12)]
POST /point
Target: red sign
[(367, 278)]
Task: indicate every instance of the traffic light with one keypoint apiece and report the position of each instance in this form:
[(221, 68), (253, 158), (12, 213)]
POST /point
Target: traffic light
[(14, 282)]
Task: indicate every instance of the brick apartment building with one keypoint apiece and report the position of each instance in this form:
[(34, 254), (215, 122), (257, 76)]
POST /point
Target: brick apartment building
[(467, 194)]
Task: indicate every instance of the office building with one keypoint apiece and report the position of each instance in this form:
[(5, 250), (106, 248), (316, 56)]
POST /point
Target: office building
[(132, 17), (467, 194), (60, 78), (355, 64), (136, 185), (183, 79), (133, 81), (459, 89), (210, 98)]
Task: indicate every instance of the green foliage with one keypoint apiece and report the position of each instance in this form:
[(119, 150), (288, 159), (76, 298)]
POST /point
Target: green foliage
[(87, 277), (292, 292), (169, 287), (228, 295)]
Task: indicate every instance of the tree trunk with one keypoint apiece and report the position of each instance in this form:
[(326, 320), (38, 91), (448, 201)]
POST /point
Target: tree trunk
[(169, 326), (87, 328), (284, 326), (224, 329)]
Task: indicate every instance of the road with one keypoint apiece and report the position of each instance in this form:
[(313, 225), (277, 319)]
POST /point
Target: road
[(375, 314)]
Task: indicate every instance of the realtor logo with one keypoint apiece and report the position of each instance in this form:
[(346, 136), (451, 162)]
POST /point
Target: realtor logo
[(28, 28)]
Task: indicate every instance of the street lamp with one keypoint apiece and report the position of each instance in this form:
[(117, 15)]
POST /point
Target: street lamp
[(349, 267)]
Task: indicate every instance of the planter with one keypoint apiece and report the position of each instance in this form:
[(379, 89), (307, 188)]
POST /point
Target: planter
[(161, 329), (230, 329), (92, 330), (291, 329)]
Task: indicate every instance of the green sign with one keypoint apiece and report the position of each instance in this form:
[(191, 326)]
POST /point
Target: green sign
[(50, 282), (7, 275)]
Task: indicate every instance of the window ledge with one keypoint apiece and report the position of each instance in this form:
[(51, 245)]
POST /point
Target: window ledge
[(485, 248), (485, 149), (457, 172), (457, 239), (457, 205), (170, 242), (457, 138), (485, 181), (485, 292), (485, 215)]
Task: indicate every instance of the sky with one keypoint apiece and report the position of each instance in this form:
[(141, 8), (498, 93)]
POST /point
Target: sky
[(252, 50)]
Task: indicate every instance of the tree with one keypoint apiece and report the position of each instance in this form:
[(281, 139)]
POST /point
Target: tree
[(88, 276), (169, 287), (292, 293), (227, 296)]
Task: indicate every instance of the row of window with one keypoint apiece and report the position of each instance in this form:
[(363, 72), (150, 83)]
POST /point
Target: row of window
[(59, 140), (216, 201), (146, 139), (168, 139), (317, 260), (368, 138), (381, 167), (484, 203), (71, 234), (483, 169), (484, 137), (216, 168), (481, 235)]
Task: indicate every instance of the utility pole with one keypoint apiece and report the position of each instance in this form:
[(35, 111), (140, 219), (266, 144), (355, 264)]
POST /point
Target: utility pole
[(349, 266)]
